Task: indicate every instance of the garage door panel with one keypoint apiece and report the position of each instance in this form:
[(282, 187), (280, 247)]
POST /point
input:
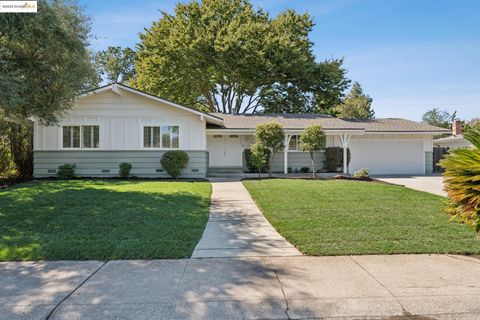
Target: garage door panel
[(387, 156)]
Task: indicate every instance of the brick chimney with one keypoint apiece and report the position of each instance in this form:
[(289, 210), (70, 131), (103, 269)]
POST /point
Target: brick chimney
[(456, 127)]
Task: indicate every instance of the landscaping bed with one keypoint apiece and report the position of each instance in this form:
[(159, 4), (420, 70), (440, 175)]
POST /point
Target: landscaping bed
[(342, 217), (102, 219)]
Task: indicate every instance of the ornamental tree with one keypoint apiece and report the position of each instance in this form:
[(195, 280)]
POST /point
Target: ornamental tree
[(462, 181), (258, 157), (312, 140), (272, 137)]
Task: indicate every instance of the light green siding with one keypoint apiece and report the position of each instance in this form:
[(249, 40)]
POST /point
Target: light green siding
[(428, 162), (88, 163), (297, 160)]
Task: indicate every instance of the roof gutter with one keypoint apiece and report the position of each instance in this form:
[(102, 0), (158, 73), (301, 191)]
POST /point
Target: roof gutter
[(406, 132), (249, 131)]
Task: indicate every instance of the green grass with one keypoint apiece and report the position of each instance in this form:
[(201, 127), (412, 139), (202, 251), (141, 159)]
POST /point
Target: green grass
[(102, 219), (348, 217)]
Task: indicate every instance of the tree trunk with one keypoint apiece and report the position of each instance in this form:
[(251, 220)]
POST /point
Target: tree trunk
[(312, 155), (21, 146), (270, 161)]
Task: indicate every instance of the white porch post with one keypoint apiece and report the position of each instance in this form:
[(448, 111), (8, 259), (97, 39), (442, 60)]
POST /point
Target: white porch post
[(285, 153), (345, 140)]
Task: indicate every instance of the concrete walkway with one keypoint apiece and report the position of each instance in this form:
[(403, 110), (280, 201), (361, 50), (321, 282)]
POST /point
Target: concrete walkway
[(237, 228), (430, 184), (396, 287)]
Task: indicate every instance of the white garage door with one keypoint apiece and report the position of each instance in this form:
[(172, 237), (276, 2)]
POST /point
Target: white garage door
[(387, 156)]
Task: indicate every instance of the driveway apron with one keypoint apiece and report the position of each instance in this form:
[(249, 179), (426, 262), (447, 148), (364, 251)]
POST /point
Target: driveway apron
[(430, 184), (237, 228)]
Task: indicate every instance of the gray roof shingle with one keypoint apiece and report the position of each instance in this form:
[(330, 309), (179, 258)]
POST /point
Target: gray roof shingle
[(300, 121)]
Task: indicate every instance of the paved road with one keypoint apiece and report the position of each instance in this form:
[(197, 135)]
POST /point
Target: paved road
[(430, 184), (237, 228), (346, 287)]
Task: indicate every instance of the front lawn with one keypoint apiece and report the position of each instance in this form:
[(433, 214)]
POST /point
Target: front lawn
[(102, 219), (349, 217)]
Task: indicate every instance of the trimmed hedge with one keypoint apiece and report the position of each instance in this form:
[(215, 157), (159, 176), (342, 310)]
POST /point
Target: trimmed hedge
[(125, 168), (334, 158), (66, 171), (173, 162)]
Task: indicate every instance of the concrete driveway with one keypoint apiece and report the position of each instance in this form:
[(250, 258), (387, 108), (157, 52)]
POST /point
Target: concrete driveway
[(345, 287), (430, 184)]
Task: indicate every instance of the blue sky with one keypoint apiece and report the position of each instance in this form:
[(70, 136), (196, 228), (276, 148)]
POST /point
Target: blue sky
[(409, 55)]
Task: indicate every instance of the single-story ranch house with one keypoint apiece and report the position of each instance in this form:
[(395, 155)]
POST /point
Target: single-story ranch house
[(116, 123)]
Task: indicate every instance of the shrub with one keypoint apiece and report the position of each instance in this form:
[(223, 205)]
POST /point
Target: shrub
[(462, 176), (304, 169), (66, 171), (173, 162), (250, 164), (334, 158), (125, 168), (362, 173)]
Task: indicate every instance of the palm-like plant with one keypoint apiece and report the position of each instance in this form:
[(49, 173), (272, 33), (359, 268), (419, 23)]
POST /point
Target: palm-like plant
[(462, 181)]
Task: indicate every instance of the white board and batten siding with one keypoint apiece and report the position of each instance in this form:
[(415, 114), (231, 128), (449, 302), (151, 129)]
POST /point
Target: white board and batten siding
[(121, 119)]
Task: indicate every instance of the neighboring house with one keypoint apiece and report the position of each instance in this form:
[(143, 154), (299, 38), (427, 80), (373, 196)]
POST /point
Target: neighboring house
[(116, 123), (455, 141), (452, 142)]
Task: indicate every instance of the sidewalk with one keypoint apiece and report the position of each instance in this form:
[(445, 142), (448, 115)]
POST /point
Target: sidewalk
[(237, 228), (344, 287)]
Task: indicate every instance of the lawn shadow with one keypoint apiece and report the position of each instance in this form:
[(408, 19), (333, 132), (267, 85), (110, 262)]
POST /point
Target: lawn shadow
[(83, 222)]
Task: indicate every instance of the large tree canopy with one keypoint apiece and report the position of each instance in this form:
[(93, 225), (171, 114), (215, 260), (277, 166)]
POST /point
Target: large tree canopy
[(225, 56), (116, 64), (439, 118), (356, 105), (44, 61)]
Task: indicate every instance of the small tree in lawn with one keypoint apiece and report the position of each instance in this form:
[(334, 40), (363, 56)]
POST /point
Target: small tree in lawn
[(462, 177), (313, 139), (270, 136), (258, 157)]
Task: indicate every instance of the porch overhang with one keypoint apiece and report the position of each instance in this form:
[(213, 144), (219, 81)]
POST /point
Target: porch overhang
[(288, 131), (245, 132)]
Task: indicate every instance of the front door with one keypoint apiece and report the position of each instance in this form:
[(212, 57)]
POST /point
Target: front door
[(225, 151)]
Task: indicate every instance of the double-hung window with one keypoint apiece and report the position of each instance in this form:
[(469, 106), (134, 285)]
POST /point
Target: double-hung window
[(295, 143), (164, 137), (86, 137)]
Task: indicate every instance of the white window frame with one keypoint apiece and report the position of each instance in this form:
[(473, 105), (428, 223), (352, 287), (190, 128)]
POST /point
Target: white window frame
[(151, 137), (297, 145), (81, 135), (160, 126)]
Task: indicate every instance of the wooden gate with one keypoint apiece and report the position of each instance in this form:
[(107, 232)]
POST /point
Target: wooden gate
[(438, 153)]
